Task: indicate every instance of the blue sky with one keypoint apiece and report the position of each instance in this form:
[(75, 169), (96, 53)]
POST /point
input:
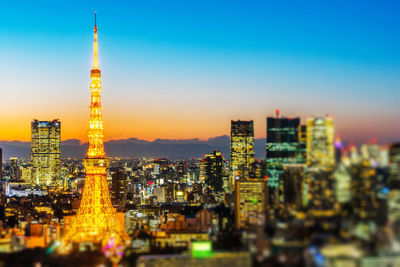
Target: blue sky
[(183, 69)]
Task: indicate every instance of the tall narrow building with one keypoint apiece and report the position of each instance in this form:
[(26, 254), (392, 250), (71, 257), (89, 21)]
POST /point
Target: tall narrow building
[(96, 221), (213, 171), (242, 153), (1, 163), (284, 146), (321, 163), (46, 152), (119, 188), (394, 183), (320, 144)]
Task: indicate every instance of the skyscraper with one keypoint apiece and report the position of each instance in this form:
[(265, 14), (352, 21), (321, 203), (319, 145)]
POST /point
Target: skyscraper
[(1, 163), (342, 184), (320, 162), (46, 152), (119, 188), (160, 170), (241, 150), (213, 171), (320, 140), (321, 197), (394, 158), (96, 220), (394, 183), (293, 183), (15, 171), (250, 202), (364, 187), (284, 146)]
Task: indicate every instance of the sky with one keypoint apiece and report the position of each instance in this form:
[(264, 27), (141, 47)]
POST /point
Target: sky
[(184, 69)]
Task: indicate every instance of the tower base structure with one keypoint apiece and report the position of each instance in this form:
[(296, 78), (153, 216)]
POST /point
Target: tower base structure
[(96, 222)]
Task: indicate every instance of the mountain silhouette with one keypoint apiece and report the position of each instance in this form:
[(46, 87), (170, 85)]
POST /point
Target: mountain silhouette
[(133, 147)]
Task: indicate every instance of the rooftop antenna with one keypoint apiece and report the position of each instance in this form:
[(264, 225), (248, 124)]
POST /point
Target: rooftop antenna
[(277, 111)]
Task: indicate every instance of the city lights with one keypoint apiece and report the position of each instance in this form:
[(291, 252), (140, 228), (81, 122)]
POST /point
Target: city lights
[(192, 162)]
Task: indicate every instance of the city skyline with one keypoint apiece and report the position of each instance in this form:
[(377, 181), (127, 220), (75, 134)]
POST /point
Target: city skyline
[(169, 75), (308, 176)]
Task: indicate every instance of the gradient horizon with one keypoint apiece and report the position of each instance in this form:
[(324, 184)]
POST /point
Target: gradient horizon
[(181, 69)]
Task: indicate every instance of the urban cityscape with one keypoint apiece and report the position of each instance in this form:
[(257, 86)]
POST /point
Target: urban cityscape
[(298, 194)]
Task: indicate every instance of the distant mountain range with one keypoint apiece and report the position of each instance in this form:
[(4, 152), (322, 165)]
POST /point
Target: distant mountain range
[(133, 147)]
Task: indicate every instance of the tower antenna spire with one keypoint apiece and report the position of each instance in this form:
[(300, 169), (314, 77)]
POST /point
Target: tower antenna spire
[(95, 48)]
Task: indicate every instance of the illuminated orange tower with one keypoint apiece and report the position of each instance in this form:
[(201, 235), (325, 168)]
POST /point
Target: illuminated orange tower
[(96, 220)]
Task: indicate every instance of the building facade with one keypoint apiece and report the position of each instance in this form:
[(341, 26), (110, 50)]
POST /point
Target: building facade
[(119, 188), (284, 145), (213, 171), (242, 153), (46, 152), (250, 202), (320, 163), (320, 144)]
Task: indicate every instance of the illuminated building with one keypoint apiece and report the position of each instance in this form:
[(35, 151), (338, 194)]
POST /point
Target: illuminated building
[(342, 184), (96, 221), (119, 188), (179, 238), (320, 162), (364, 197), (250, 203), (46, 152), (160, 193), (394, 158), (320, 149), (15, 170), (232, 259), (321, 197), (293, 183), (394, 183), (284, 145), (258, 169), (160, 170), (241, 149), (1, 163), (213, 171)]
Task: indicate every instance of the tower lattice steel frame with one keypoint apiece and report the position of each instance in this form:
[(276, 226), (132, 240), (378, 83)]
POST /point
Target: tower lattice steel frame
[(96, 221)]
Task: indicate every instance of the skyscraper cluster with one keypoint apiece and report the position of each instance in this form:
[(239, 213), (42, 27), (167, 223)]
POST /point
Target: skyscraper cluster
[(299, 164)]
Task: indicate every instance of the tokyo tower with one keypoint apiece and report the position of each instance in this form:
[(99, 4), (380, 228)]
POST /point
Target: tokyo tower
[(96, 220)]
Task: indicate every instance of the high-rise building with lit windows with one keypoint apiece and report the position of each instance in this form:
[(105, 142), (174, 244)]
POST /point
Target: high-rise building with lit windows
[(46, 152), (1, 163), (15, 170), (321, 194), (160, 170), (213, 171), (394, 183), (394, 159), (284, 145), (364, 187), (242, 153), (250, 202), (294, 186), (119, 188), (321, 163), (320, 143)]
